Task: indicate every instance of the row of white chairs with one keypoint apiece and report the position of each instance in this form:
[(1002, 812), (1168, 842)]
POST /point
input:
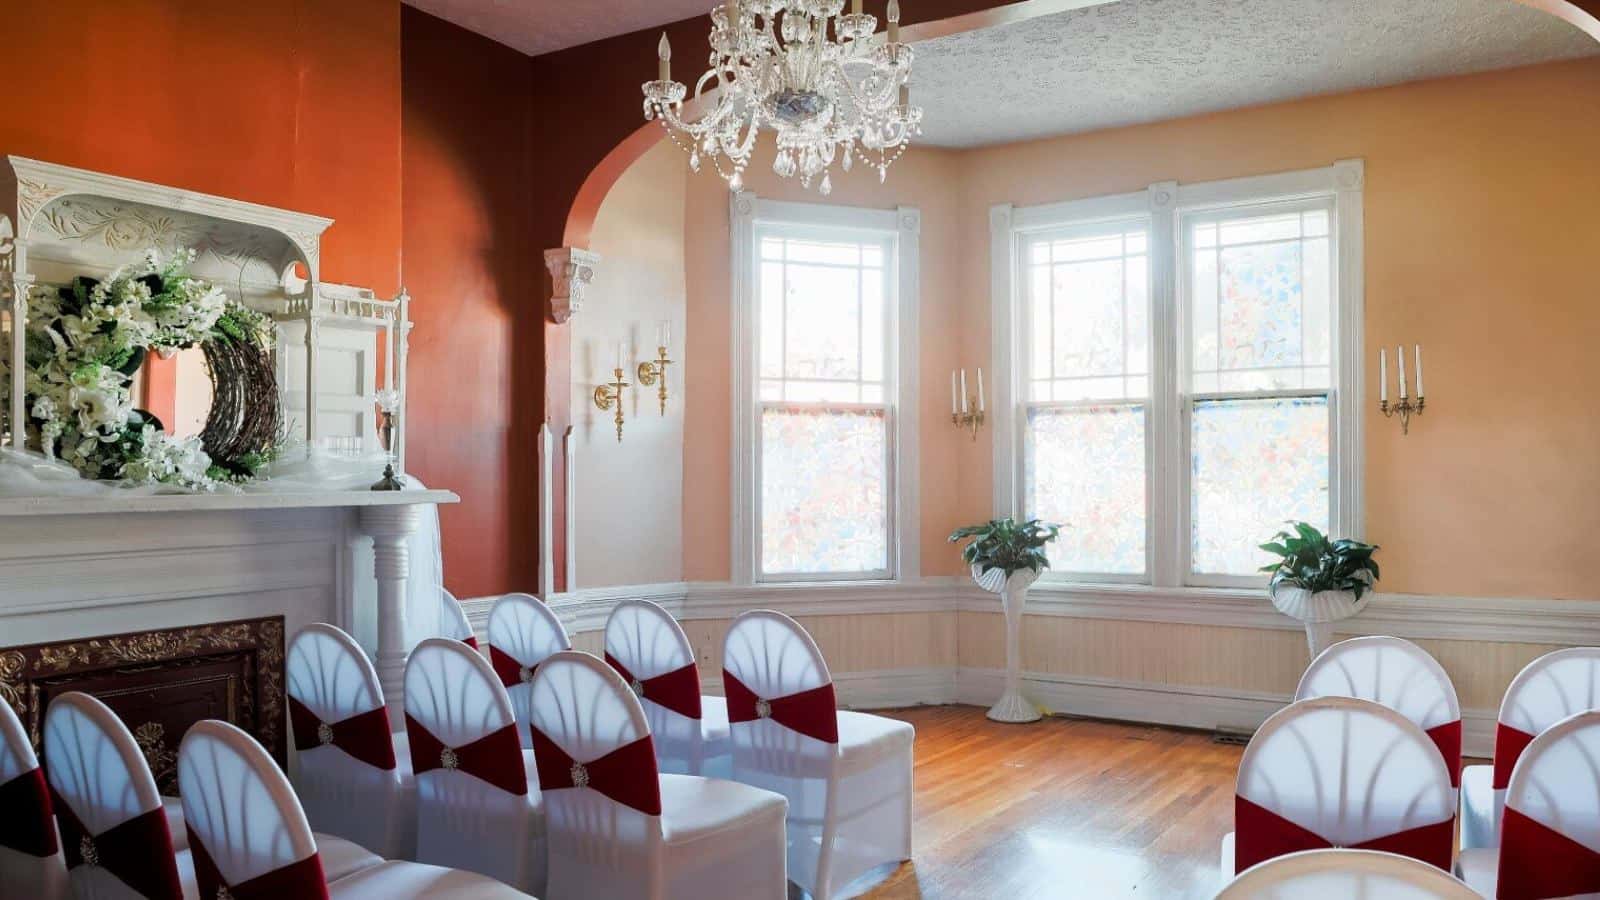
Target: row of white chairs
[(845, 776), (91, 825), (1368, 757)]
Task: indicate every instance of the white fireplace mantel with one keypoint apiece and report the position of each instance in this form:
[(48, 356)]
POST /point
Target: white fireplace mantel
[(80, 567)]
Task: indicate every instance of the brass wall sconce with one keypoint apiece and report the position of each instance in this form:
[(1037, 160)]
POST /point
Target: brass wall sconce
[(967, 411), (1406, 407), (610, 394), (653, 372)]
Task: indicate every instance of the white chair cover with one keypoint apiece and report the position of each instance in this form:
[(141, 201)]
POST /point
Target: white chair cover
[(849, 802), (649, 643), (1396, 673), (24, 870), (329, 674), (1349, 771), (248, 820), (1551, 822), (463, 821), (450, 620), (100, 777), (1346, 875), (1546, 691), (522, 633), (710, 838)]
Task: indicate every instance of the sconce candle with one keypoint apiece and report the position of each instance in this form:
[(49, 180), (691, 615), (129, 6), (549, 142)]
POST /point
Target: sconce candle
[(1400, 363), (1383, 376), (966, 411), (1420, 392), (607, 396), (655, 372)]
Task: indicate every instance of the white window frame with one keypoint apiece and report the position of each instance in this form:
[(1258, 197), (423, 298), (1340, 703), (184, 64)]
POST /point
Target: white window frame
[(902, 228), (1167, 440)]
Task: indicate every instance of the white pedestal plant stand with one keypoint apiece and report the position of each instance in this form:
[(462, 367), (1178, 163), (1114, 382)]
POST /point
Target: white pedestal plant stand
[(1013, 591), (1318, 612)]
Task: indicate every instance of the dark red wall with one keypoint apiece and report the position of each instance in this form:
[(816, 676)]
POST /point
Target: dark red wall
[(476, 273)]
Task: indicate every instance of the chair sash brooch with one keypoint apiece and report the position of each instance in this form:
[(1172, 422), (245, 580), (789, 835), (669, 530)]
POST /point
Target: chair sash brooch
[(27, 826), (1262, 834), (813, 713), (364, 736), (511, 672), (627, 774), (496, 757), (678, 690), (138, 851)]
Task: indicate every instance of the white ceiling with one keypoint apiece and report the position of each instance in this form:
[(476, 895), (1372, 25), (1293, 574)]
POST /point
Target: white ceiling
[(540, 26), (1147, 60)]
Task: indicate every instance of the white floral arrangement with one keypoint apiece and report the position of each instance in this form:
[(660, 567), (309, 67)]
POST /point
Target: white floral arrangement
[(86, 340)]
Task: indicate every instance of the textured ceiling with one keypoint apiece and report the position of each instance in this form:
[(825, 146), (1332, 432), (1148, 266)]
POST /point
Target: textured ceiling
[(540, 26), (1146, 60)]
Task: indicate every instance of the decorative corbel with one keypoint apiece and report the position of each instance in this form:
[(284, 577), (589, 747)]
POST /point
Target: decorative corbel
[(571, 273)]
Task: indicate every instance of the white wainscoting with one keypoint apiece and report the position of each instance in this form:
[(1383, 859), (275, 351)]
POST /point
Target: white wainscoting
[(1413, 616)]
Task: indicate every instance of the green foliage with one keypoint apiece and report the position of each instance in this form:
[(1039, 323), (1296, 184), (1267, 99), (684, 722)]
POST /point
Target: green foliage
[(1309, 560), (240, 324), (1005, 545)]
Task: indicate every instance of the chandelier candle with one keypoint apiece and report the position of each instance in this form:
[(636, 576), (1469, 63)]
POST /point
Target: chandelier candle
[(808, 72)]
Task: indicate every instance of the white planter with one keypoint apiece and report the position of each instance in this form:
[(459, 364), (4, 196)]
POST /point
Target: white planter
[(1318, 612), (1013, 591)]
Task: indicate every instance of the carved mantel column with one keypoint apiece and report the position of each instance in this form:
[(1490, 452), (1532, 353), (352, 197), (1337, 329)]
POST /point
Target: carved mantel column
[(571, 272), (391, 528)]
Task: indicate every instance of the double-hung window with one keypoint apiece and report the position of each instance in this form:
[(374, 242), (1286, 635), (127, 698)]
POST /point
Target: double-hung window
[(1177, 373), (821, 429)]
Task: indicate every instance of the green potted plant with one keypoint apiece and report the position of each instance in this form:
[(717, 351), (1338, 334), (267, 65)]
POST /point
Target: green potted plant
[(1319, 580), (1006, 559)]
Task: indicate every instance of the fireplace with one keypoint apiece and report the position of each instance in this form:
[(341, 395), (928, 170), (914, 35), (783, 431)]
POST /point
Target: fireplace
[(160, 682)]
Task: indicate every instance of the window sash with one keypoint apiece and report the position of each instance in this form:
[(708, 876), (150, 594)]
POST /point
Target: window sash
[(887, 248)]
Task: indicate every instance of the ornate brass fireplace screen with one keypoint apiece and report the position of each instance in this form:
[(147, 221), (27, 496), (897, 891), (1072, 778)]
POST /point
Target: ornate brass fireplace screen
[(160, 683)]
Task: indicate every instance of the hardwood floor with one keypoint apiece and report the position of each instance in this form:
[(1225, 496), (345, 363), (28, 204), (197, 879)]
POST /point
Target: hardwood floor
[(1064, 808)]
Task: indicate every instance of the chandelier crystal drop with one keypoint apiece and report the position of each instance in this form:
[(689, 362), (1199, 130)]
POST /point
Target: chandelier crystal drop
[(814, 75)]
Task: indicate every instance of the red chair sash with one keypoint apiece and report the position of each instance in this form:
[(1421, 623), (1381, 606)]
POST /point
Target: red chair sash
[(511, 672), (1261, 834), (301, 880), (1447, 738), (496, 757), (27, 825), (1508, 746), (364, 736), (138, 851), (1536, 861), (627, 774), (471, 641), (813, 713), (678, 690)]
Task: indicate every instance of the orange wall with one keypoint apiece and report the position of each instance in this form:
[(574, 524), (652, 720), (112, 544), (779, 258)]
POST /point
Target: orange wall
[(1480, 241), (479, 286), (291, 103)]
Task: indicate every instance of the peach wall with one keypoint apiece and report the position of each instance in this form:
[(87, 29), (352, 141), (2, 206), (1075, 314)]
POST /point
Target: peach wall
[(629, 497), (1479, 239)]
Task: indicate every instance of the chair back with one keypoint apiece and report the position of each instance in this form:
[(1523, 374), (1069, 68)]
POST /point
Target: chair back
[(113, 829), (1342, 772), (1345, 873), (522, 632), (649, 650), (1550, 832), (782, 714), (1547, 690), (248, 834), (345, 765), (1396, 673), (452, 622), (598, 777), (30, 851), (460, 725)]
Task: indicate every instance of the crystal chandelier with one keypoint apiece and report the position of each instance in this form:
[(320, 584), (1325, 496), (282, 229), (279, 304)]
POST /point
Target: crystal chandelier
[(840, 98)]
